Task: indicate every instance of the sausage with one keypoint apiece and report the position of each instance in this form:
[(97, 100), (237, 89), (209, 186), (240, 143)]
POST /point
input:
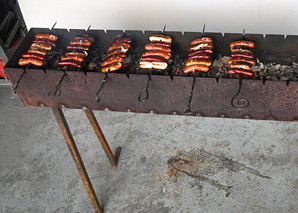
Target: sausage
[(160, 38), (123, 40), (157, 47), (243, 55), (249, 44), (81, 54), (117, 55), (85, 36), (78, 38), (121, 46), (247, 60), (25, 61), (44, 41), (84, 42), (209, 51), (72, 57), (200, 46), (239, 49), (42, 46), (38, 51), (241, 66), (159, 65), (198, 61), (164, 44), (196, 67), (200, 56), (201, 40), (111, 67), (77, 47), (115, 51), (46, 36), (241, 71), (34, 55), (157, 53), (70, 63), (153, 58), (111, 61)]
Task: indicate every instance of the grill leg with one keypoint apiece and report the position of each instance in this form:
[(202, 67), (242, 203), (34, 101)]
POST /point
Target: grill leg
[(76, 157), (113, 160)]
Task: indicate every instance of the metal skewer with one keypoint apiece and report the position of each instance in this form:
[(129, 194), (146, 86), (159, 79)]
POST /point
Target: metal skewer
[(194, 73), (145, 90), (16, 84), (242, 103)]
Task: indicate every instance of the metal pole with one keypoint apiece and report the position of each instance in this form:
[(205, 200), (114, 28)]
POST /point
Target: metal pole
[(113, 160), (76, 157)]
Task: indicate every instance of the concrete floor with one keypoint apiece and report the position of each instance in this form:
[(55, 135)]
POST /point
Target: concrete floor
[(37, 173)]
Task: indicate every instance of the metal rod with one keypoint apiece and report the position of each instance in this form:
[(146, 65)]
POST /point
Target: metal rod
[(188, 110), (203, 29), (57, 91), (113, 160), (100, 91), (242, 103), (145, 90), (76, 157), (16, 84)]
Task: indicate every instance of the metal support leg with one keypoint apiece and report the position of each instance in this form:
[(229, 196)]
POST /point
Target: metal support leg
[(113, 160), (76, 157)]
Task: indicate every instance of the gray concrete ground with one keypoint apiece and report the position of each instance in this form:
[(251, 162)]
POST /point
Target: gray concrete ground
[(37, 173)]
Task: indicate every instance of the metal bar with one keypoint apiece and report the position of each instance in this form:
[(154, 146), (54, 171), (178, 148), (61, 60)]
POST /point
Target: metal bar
[(113, 160), (76, 157)]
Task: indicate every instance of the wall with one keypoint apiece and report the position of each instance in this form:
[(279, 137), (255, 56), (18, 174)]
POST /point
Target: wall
[(256, 16)]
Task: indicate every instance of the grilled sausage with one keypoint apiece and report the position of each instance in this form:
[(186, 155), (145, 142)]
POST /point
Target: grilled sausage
[(157, 47), (239, 49), (241, 71), (153, 58), (241, 66), (235, 60), (34, 55), (72, 57), (47, 41), (78, 38), (42, 46), (89, 37), (201, 46), (164, 44), (157, 53), (115, 51), (209, 51), (70, 63), (201, 40), (84, 42), (77, 47), (123, 40), (243, 55), (200, 56), (249, 44), (118, 55), (81, 54), (195, 67), (111, 67), (38, 51), (198, 61), (46, 36), (111, 61), (25, 61), (121, 46), (159, 65), (160, 38)]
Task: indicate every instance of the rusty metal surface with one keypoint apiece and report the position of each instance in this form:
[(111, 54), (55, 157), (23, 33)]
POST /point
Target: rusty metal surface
[(76, 157), (113, 160)]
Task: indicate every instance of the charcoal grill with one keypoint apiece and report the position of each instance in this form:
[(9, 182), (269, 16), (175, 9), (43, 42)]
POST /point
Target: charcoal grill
[(269, 100)]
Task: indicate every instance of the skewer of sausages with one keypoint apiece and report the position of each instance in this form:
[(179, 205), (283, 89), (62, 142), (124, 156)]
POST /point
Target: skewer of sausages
[(25, 61), (239, 59), (157, 53), (46, 36), (201, 40), (34, 55), (160, 38), (196, 67), (241, 71), (153, 46), (69, 63)]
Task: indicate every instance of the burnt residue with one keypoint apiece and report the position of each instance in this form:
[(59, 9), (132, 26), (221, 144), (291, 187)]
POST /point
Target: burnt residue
[(201, 164)]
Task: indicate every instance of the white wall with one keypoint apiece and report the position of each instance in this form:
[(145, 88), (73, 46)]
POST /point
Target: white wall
[(256, 16)]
